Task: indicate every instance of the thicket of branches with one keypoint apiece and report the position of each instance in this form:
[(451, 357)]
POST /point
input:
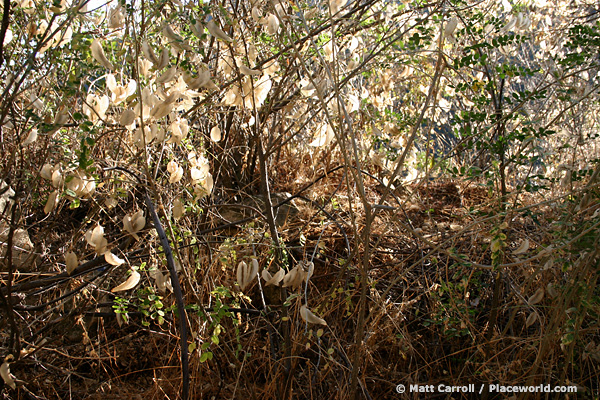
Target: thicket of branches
[(297, 199)]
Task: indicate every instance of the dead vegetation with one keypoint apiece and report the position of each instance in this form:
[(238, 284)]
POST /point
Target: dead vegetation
[(288, 200), (426, 318)]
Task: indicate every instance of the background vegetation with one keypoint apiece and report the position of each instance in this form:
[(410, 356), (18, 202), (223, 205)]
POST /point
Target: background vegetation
[(298, 199)]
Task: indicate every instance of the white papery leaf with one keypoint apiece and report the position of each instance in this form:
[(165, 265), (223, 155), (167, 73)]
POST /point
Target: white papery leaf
[(57, 178), (47, 171), (311, 13), (32, 137), (450, 27), (196, 83), (511, 24), (252, 54), (149, 53), (272, 24), (5, 372), (61, 117), (280, 11), (133, 223), (178, 209), (275, 279), (71, 261), (168, 75), (130, 283), (531, 319), (247, 71), (256, 14), (8, 37), (95, 236), (127, 117), (111, 82), (330, 50), (551, 290), (217, 32), (246, 274), (323, 137), (354, 103), (196, 174), (232, 97), (161, 110), (116, 18), (266, 275), (261, 91), (310, 269), (172, 166), (311, 318), (179, 131), (353, 44), (197, 29), (113, 259), (110, 202), (119, 93), (272, 68), (51, 202), (207, 185), (523, 247), (336, 5), (98, 54), (163, 60), (215, 134), (163, 281), (536, 297), (295, 277), (171, 34)]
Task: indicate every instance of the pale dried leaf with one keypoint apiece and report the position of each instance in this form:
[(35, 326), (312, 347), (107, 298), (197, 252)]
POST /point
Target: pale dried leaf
[(272, 24), (336, 5), (311, 318), (450, 27), (310, 268), (178, 209), (149, 52), (266, 275), (168, 75), (523, 247), (536, 297), (47, 171), (531, 319), (95, 236), (5, 373), (551, 290), (57, 178), (295, 277), (51, 202), (247, 71), (217, 32), (127, 117), (32, 137), (98, 54), (215, 134), (130, 283), (71, 261), (176, 175), (323, 137), (113, 259), (134, 223), (246, 274)]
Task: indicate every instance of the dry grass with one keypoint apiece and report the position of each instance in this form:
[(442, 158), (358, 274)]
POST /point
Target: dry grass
[(427, 316)]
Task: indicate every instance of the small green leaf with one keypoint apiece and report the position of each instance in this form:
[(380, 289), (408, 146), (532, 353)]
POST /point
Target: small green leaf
[(206, 356)]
